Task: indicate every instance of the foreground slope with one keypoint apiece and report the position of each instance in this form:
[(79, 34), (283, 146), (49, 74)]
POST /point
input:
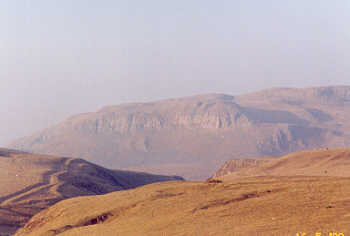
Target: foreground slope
[(176, 136), (321, 162), (293, 195), (249, 206), (30, 183)]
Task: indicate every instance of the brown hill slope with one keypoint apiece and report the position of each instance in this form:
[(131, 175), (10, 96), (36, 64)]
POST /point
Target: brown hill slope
[(30, 183), (298, 198), (334, 162), (178, 136), (250, 206)]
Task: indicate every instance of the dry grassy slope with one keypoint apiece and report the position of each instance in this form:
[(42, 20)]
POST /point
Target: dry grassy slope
[(247, 206), (335, 162), (176, 136), (30, 183)]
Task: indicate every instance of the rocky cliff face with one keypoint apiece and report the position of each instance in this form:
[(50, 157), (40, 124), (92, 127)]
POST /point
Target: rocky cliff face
[(194, 135), (238, 164), (212, 112)]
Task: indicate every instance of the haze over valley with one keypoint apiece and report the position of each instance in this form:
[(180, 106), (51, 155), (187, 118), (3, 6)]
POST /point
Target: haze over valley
[(193, 136), (177, 118)]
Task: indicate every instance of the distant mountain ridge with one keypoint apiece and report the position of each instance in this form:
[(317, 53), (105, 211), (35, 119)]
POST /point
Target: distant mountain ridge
[(193, 136)]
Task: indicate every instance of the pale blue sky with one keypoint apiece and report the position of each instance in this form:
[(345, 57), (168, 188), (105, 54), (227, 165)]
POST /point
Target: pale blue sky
[(61, 57)]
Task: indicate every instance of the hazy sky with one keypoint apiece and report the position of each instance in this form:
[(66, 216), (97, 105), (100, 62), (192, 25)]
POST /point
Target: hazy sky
[(61, 57)]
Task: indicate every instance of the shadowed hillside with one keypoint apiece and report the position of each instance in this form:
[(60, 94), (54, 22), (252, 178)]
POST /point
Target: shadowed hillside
[(193, 136), (30, 183), (292, 195)]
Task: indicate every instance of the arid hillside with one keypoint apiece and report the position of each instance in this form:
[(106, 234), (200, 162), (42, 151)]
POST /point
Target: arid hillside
[(335, 162), (292, 195), (30, 183), (194, 136), (255, 206)]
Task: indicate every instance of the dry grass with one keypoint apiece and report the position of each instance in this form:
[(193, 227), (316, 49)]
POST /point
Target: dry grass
[(30, 183), (247, 206), (282, 196), (322, 162)]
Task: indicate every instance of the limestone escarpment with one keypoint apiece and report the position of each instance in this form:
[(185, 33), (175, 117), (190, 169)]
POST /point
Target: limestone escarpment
[(178, 136)]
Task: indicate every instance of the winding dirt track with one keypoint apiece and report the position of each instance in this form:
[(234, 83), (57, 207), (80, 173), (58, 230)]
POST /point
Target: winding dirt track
[(19, 204), (50, 179), (32, 183)]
